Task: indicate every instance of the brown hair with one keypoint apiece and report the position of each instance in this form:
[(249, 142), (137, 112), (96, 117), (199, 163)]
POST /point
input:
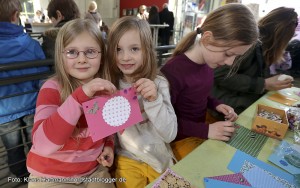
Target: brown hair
[(149, 64), (8, 9), (65, 36), (276, 30), (230, 23), (67, 8)]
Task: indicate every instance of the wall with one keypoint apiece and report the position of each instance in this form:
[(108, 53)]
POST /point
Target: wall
[(135, 4)]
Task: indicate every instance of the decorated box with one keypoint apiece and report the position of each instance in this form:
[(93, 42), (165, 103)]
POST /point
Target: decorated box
[(270, 121)]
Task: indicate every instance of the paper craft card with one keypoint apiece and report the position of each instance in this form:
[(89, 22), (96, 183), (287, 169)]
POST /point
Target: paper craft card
[(247, 141), (277, 97), (261, 178), (230, 180), (109, 114), (170, 179), (287, 157), (240, 157)]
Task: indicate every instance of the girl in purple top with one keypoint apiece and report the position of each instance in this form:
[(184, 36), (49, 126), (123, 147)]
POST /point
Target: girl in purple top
[(227, 32)]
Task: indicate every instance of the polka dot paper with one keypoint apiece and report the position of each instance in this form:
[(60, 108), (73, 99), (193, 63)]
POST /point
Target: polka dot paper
[(107, 115), (116, 107)]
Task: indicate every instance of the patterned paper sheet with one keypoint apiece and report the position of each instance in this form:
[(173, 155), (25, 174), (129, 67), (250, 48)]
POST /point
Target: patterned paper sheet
[(261, 178), (237, 178), (170, 179), (247, 141)]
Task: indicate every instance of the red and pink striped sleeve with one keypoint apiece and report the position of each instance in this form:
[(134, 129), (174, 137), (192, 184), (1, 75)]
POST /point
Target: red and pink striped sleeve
[(54, 122)]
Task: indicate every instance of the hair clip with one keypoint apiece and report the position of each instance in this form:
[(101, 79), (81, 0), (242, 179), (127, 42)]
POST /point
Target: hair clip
[(199, 31)]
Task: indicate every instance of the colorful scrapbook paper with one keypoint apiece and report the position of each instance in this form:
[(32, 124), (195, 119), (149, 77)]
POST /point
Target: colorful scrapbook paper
[(287, 157), (237, 162), (230, 180), (213, 183), (170, 179), (261, 178), (107, 115), (277, 97), (247, 141)]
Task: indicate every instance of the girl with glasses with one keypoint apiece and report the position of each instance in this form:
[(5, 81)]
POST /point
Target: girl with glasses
[(63, 151)]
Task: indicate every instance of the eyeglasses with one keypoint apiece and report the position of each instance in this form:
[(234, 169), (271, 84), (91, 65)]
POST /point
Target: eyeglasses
[(89, 53)]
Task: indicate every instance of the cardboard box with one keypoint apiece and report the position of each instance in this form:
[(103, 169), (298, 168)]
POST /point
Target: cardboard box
[(269, 127)]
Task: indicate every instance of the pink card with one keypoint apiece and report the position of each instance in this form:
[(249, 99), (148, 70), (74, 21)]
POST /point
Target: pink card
[(107, 115)]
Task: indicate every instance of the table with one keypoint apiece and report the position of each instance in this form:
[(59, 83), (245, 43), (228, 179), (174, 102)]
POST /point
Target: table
[(212, 157), (40, 27), (155, 28)]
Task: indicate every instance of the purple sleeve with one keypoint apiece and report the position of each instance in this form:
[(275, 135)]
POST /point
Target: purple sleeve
[(188, 128), (213, 102)]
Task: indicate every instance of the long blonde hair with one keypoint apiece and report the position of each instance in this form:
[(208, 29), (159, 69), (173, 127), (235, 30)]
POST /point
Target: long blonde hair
[(65, 36), (149, 64), (230, 23)]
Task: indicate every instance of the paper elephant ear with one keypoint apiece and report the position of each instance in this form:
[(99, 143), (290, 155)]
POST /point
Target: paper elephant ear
[(110, 114)]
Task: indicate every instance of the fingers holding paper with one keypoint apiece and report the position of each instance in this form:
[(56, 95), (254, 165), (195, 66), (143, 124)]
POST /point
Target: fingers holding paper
[(146, 88), (99, 86), (221, 130), (228, 112)]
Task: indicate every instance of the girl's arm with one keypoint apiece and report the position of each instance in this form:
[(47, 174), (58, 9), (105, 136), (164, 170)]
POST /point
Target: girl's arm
[(161, 113), (54, 122)]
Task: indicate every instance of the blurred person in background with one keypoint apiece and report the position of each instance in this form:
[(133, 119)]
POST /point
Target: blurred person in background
[(93, 14), (166, 17), (59, 12), (17, 101), (143, 14)]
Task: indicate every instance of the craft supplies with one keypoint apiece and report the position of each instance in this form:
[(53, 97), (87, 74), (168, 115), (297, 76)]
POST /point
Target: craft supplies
[(270, 115), (270, 121), (293, 115)]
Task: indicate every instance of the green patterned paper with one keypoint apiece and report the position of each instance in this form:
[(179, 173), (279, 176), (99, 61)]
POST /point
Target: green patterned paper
[(247, 141)]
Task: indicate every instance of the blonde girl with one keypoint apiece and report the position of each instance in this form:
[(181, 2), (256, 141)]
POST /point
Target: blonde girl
[(227, 32), (143, 150), (62, 147)]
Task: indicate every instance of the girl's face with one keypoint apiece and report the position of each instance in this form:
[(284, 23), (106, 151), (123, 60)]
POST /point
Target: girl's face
[(218, 56), (129, 53), (82, 67)]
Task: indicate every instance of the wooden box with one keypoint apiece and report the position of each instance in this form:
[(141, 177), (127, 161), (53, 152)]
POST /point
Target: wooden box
[(270, 127)]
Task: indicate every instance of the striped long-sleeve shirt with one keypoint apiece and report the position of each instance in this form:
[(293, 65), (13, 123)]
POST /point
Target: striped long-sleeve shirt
[(58, 150)]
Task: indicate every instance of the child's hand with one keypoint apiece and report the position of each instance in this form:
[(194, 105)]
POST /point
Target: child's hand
[(146, 88), (229, 113), (106, 158), (273, 84), (221, 130), (105, 87)]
